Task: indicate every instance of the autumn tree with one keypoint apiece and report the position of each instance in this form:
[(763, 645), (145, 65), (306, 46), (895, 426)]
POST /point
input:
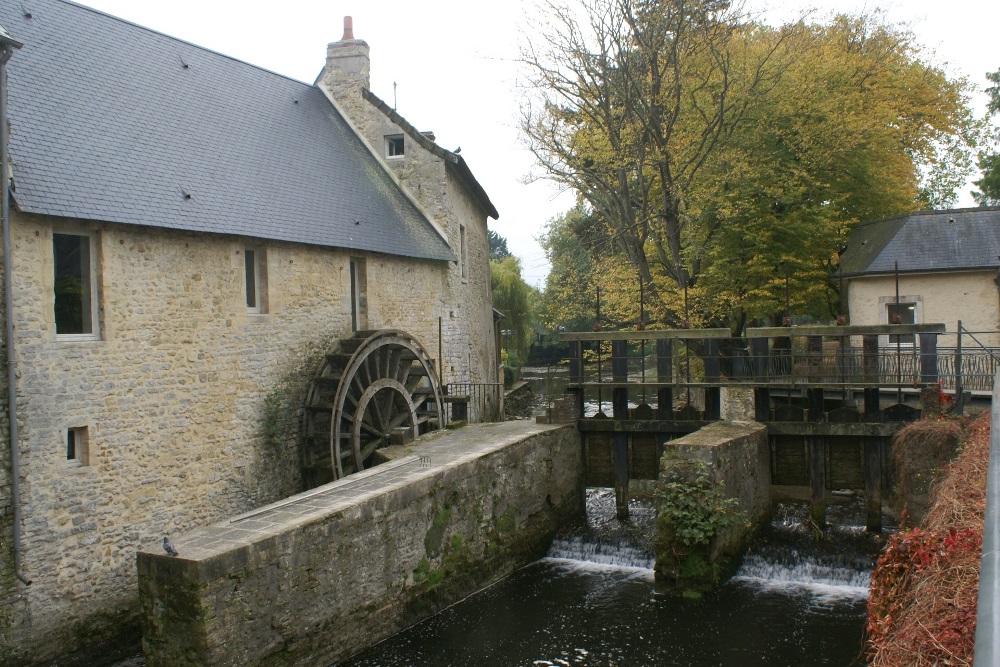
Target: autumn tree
[(717, 153)]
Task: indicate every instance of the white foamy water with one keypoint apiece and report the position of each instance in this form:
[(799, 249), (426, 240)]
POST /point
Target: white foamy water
[(616, 556), (805, 574)]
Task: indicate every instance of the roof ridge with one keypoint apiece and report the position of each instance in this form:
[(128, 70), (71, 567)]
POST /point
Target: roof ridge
[(186, 42)]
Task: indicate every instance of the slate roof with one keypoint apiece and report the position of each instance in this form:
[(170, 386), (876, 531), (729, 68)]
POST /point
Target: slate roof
[(114, 122), (949, 240)]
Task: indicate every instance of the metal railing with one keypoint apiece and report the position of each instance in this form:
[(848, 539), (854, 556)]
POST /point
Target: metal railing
[(483, 402), (987, 653)]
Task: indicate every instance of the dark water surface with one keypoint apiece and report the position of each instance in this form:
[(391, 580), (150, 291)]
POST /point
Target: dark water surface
[(591, 603)]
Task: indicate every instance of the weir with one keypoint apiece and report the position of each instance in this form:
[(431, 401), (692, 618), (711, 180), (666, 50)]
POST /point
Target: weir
[(831, 397)]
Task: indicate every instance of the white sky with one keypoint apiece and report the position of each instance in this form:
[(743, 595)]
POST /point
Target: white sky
[(454, 64)]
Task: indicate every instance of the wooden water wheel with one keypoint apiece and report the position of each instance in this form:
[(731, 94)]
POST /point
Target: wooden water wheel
[(378, 388)]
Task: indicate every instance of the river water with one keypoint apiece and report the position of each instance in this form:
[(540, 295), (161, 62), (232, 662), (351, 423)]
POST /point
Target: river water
[(796, 601)]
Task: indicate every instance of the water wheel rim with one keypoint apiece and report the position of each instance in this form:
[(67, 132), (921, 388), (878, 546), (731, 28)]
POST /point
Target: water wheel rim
[(350, 379)]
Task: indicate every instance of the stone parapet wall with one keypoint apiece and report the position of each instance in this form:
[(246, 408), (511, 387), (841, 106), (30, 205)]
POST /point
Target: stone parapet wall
[(735, 453), (320, 576)]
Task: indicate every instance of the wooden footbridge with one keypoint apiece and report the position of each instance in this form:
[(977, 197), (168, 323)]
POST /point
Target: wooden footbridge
[(821, 390)]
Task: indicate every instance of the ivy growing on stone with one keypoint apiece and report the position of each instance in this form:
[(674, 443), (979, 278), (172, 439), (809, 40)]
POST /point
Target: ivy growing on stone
[(694, 505)]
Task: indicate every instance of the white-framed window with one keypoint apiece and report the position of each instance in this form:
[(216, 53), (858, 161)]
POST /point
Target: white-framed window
[(394, 146), (463, 256), (255, 278), (75, 296), (78, 445), (359, 294), (908, 310)]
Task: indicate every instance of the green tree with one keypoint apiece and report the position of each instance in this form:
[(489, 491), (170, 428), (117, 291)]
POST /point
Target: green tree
[(989, 161), (512, 297), (498, 245)]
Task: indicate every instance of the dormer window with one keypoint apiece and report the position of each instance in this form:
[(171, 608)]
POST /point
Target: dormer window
[(394, 145)]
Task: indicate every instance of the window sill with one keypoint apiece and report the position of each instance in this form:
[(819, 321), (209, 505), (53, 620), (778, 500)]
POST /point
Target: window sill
[(78, 338), (258, 317)]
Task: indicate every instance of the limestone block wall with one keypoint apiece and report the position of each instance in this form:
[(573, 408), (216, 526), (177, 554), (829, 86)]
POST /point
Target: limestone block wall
[(319, 577), (737, 454), (172, 397)]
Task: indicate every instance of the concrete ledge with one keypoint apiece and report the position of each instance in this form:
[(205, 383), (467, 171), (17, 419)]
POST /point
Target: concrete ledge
[(315, 578)]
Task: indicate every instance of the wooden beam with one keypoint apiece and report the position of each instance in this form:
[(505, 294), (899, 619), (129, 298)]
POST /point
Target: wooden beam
[(647, 334), (849, 330)]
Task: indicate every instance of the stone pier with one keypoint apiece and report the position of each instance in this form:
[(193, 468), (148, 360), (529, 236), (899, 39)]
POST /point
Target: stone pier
[(319, 576)]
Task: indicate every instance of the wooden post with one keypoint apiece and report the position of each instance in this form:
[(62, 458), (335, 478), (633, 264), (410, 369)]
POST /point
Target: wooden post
[(619, 407), (872, 456), (576, 373), (817, 460), (928, 358), (713, 401), (761, 394), (664, 373)]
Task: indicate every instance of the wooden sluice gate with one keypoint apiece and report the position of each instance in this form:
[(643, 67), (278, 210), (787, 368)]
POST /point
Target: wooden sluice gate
[(819, 389)]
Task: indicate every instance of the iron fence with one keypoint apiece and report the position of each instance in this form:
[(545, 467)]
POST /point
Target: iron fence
[(479, 401)]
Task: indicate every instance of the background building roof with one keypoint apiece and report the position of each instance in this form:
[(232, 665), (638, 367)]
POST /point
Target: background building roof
[(950, 240), (114, 122)]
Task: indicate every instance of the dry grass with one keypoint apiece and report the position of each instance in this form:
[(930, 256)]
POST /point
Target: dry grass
[(923, 606)]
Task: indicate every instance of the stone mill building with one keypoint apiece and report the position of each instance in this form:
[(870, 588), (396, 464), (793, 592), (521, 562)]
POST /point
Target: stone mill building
[(191, 237)]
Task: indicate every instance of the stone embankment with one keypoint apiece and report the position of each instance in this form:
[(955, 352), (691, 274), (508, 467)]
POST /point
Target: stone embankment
[(321, 575)]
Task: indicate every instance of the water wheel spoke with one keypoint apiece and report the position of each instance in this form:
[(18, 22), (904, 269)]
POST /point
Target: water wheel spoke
[(375, 381)]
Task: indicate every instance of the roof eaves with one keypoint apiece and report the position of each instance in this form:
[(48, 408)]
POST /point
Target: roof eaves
[(452, 159), (7, 40)]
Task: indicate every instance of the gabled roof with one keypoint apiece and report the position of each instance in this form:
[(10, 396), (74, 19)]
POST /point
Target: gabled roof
[(115, 122), (452, 160), (949, 240)]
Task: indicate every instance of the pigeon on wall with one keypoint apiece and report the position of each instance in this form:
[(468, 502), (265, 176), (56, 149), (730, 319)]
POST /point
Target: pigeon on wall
[(168, 547)]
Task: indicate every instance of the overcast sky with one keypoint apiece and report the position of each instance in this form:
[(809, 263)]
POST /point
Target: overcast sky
[(454, 66)]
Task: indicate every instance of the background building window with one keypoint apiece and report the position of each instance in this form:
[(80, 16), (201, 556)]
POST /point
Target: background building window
[(359, 294), (901, 313), (75, 284), (255, 279), (78, 445), (462, 250), (394, 145)]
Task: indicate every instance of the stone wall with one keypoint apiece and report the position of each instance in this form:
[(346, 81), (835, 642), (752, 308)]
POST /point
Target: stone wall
[(172, 397), (319, 577), (735, 453)]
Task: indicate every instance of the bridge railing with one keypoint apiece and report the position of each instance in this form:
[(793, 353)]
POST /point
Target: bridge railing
[(884, 356), (987, 651)]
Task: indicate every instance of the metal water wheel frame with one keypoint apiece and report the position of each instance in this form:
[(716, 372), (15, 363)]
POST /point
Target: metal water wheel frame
[(382, 389)]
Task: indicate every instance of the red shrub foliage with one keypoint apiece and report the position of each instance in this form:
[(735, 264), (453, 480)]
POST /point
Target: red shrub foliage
[(922, 607)]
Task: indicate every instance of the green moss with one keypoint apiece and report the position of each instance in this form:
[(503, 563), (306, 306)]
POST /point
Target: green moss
[(688, 594), (506, 523), (696, 566), (434, 538)]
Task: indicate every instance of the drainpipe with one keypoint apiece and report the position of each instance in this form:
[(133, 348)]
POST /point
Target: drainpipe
[(8, 46)]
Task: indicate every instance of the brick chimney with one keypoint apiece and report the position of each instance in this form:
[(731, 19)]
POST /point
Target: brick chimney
[(347, 66)]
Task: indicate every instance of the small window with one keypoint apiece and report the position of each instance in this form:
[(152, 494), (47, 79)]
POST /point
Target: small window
[(359, 294), (394, 145), (901, 313), (78, 445), (255, 279), (463, 253), (75, 285)]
